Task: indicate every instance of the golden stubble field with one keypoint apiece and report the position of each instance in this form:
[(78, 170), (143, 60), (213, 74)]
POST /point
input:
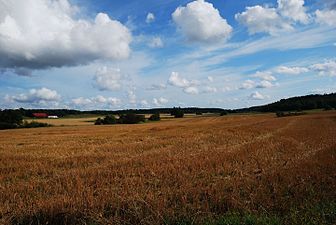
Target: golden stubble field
[(89, 120), (152, 173)]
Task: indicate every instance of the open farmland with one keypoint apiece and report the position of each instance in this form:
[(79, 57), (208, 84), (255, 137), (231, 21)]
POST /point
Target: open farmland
[(89, 120), (67, 121), (180, 171)]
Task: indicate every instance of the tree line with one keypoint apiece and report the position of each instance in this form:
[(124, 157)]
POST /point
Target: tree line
[(308, 102), (71, 112), (132, 118), (13, 118), (10, 119)]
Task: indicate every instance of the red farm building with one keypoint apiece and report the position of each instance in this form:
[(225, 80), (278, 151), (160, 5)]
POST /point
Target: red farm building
[(40, 115)]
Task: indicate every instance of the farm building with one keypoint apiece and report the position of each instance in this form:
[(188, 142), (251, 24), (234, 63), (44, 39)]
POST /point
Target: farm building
[(40, 115), (52, 117)]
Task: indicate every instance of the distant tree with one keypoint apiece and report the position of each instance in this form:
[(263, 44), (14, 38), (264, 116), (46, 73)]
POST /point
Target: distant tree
[(177, 113), (11, 116), (34, 124), (110, 119), (223, 113), (199, 113), (131, 118), (10, 119), (155, 117), (5, 126), (99, 121), (327, 108), (285, 114), (280, 114)]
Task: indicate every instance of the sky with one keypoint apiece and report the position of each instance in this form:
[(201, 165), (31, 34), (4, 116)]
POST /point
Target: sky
[(121, 54)]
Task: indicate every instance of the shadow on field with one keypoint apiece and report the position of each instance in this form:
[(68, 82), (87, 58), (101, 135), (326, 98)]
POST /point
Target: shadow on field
[(323, 213), (57, 219)]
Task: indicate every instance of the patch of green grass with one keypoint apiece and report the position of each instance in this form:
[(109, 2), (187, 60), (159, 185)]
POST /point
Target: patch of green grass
[(311, 214), (245, 219), (318, 214), (231, 218), (323, 213)]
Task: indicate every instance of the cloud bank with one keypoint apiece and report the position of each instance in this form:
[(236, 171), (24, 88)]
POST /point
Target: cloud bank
[(108, 79), (38, 96), (260, 19), (39, 34), (94, 102)]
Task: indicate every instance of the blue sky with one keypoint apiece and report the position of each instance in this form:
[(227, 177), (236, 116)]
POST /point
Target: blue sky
[(163, 53)]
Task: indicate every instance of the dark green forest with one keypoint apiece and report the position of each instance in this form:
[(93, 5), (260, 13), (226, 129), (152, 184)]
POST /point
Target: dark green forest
[(308, 102)]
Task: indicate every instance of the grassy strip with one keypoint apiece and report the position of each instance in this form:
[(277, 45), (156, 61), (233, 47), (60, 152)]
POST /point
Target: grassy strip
[(320, 214)]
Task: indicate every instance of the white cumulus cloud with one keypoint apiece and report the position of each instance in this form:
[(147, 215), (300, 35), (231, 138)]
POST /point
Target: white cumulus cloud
[(209, 89), (157, 87), (326, 16), (176, 80), (248, 84), (150, 18), (265, 75), (81, 101), (106, 100), (160, 101), (108, 79), (38, 34), (191, 90), (328, 68), (132, 98), (210, 78), (294, 10), (199, 21), (144, 103), (96, 101), (189, 86), (259, 19), (256, 96), (291, 70), (36, 96), (265, 84)]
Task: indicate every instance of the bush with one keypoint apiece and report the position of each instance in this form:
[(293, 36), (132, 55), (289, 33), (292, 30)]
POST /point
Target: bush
[(4, 126), (10, 119), (283, 114), (280, 114), (109, 120), (155, 117), (328, 108), (99, 121), (11, 116), (199, 113), (177, 113), (34, 124), (223, 113), (131, 118)]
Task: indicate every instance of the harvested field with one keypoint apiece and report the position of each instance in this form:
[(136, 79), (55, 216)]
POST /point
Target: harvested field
[(67, 121), (89, 120), (180, 171)]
